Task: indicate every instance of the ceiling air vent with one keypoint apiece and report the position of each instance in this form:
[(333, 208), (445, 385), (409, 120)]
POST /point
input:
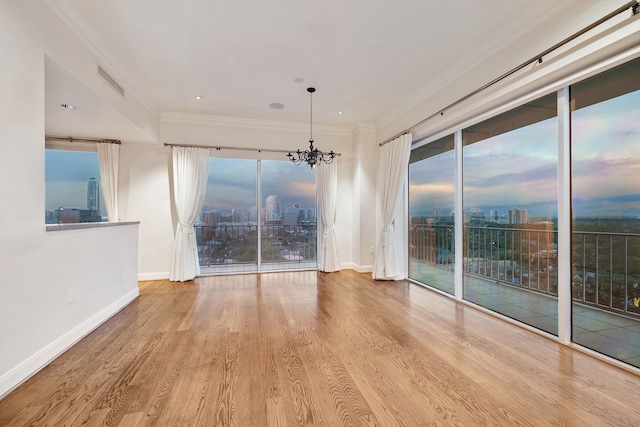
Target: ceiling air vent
[(110, 81)]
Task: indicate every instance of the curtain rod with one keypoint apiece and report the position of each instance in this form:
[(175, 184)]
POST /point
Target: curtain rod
[(633, 5), (220, 147), (72, 139)]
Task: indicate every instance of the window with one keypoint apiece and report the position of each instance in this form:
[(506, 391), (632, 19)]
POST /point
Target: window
[(431, 209), (605, 151), (73, 193), (510, 210), (289, 231), (233, 212), (510, 219)]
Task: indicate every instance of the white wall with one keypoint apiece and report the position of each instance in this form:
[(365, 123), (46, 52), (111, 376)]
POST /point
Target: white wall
[(366, 210), (145, 196), (37, 268)]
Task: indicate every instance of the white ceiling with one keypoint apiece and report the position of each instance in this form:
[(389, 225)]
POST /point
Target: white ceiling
[(370, 59)]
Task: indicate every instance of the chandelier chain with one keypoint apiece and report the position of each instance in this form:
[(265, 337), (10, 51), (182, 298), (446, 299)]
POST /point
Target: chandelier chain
[(311, 116)]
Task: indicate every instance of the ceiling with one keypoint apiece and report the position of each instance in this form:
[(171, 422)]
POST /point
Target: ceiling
[(369, 59)]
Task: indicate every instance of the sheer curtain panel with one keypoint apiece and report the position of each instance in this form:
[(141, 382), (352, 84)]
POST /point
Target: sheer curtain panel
[(190, 172), (108, 160), (327, 187), (392, 174)]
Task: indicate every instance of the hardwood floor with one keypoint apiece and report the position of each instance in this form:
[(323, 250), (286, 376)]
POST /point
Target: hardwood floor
[(307, 348)]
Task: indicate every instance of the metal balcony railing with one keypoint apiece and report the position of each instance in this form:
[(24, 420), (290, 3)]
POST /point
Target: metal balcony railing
[(237, 243), (605, 266), (606, 270)]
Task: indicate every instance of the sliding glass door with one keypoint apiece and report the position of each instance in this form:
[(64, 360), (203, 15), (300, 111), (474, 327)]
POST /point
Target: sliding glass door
[(606, 212), (227, 231), (289, 231), (258, 215), (431, 214), (510, 210)]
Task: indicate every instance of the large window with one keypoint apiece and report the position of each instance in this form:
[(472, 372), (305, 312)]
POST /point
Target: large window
[(431, 226), (606, 212), (510, 209), (72, 187), (244, 196), (510, 232)]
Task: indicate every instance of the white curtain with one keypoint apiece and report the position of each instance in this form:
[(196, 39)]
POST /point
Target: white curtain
[(327, 186), (108, 160), (190, 173), (394, 161)]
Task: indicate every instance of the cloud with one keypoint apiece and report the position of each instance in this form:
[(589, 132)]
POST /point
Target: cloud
[(232, 184)]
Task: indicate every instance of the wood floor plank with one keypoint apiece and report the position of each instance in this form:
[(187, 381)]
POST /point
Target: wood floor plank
[(308, 348)]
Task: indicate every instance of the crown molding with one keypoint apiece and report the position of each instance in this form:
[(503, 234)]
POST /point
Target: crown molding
[(105, 55), (244, 123), (364, 127)]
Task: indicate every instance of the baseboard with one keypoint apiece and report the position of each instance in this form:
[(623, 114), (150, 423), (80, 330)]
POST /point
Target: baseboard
[(358, 268), (32, 365), (153, 276)]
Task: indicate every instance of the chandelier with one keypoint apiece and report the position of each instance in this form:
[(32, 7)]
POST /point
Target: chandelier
[(312, 156)]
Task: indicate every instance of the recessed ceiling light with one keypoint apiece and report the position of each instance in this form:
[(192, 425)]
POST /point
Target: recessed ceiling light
[(298, 80), (69, 106), (276, 106), (198, 97), (339, 112)]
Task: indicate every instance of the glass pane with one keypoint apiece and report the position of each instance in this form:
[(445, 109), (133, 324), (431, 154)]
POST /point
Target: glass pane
[(510, 215), (606, 213), (431, 201), (227, 230), (73, 193), (289, 213)]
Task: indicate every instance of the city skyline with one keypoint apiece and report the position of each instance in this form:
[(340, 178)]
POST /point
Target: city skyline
[(66, 175)]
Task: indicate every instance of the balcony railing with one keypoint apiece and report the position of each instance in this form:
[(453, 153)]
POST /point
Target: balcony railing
[(237, 243), (606, 270), (606, 266)]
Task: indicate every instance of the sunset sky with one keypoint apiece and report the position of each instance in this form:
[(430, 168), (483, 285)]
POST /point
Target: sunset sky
[(66, 175), (519, 169), (232, 184)]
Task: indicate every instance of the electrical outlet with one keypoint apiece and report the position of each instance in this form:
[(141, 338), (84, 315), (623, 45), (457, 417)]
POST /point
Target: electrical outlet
[(72, 295)]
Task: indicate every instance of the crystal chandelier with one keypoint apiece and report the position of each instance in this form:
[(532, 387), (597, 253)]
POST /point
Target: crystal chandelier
[(312, 156)]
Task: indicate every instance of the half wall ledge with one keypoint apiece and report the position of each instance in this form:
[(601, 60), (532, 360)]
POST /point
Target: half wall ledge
[(82, 225)]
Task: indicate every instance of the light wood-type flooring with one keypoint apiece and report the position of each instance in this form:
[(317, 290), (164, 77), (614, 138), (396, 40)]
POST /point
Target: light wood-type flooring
[(308, 348)]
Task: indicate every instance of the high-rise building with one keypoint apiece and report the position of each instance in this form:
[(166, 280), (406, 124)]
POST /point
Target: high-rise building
[(291, 217), (253, 214), (311, 214), (93, 195), (517, 216), (493, 215), (211, 218), (476, 213), (274, 213), (239, 215), (437, 213)]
